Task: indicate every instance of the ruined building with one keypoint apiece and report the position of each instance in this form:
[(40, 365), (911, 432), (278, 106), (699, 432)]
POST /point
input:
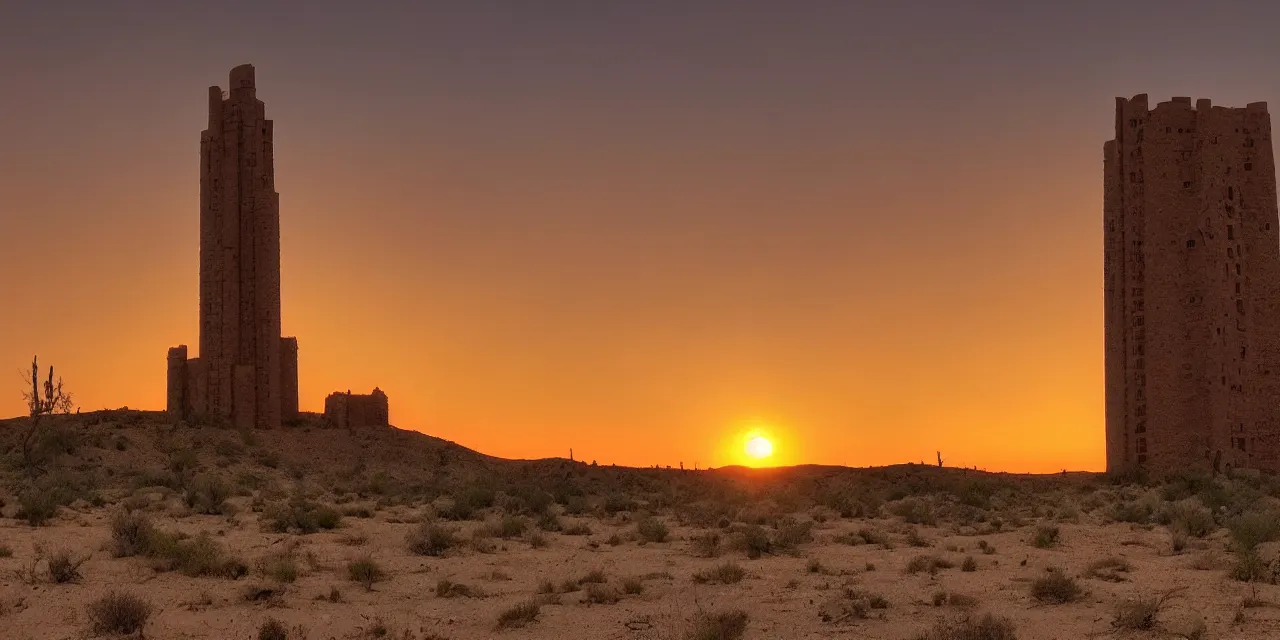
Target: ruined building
[(246, 372), (357, 410), (1192, 283)]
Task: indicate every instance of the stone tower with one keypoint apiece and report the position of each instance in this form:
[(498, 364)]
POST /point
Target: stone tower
[(1191, 286), (246, 372)]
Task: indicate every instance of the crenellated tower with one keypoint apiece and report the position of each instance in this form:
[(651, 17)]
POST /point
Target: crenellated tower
[(1191, 286), (246, 372)]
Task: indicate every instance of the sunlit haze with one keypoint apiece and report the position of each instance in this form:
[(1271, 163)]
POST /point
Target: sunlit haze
[(625, 228)]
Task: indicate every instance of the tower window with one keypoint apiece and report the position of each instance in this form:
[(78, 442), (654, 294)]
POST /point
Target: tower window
[(1231, 193), (1186, 184), (1239, 306), (1168, 129), (1248, 166), (1191, 243), (1231, 232)]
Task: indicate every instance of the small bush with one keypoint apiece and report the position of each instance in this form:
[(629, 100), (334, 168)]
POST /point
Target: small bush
[(652, 530), (1108, 569), (633, 586), (281, 567), (755, 540), (507, 527), (446, 588), (273, 629), (1253, 528), (431, 539), (207, 493), (969, 564), (118, 613), (1046, 536), (791, 533), (131, 533), (723, 625), (577, 529), (928, 563), (37, 506), (601, 594), (1142, 613), (987, 627), (595, 576), (64, 568), (727, 573), (914, 539), (519, 615), (365, 571), (301, 516), (1055, 587), (705, 545), (986, 548)]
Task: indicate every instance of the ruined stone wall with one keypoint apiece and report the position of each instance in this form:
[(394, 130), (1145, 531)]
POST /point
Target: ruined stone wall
[(357, 410), (240, 341), (1190, 277), (288, 378), (176, 397)]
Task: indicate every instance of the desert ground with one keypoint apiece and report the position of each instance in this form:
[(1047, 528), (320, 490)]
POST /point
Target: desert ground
[(118, 523)]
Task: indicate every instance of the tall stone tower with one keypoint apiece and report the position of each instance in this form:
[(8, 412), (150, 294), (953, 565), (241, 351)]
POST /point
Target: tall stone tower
[(246, 372), (1192, 283)]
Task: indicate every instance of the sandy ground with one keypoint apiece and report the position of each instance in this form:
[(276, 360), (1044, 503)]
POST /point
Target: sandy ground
[(784, 595)]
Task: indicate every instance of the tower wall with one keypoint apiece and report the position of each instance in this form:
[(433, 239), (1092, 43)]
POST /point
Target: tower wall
[(240, 345), (1191, 275)]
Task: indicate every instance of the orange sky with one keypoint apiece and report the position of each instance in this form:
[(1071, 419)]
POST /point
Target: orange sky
[(632, 235)]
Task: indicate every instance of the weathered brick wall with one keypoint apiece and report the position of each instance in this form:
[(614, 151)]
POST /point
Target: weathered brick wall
[(357, 410), (240, 261), (288, 378), (1191, 275), (176, 398)]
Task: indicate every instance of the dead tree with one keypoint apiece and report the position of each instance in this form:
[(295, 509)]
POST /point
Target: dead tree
[(55, 399)]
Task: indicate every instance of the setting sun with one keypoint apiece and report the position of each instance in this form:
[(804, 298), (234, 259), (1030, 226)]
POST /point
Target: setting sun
[(759, 448)]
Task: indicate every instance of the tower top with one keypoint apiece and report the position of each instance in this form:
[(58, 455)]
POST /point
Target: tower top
[(242, 77)]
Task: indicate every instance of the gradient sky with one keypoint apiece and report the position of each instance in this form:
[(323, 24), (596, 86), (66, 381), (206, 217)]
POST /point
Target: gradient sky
[(629, 228)]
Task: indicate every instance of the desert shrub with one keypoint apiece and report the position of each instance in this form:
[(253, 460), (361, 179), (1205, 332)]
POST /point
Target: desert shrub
[(446, 588), (872, 536), (198, 556), (37, 505), (986, 627), (986, 547), (281, 567), (1055, 587), (727, 573), (1250, 567), (601, 594), (431, 539), (1250, 529), (705, 545), (1141, 613), (207, 493), (63, 567), (1046, 536), (1133, 512), (594, 576), (615, 502), (754, 540), (273, 629), (652, 530), (302, 516), (792, 533), (851, 604), (365, 571), (536, 540), (1108, 569), (549, 521), (928, 563), (722, 625), (914, 539), (131, 533), (577, 529), (633, 586), (914, 511), (507, 527), (1188, 518), (969, 564), (519, 615), (118, 613)]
